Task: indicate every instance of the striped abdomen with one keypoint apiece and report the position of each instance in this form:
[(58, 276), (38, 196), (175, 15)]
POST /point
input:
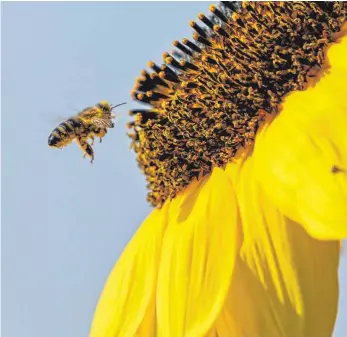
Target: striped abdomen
[(65, 133)]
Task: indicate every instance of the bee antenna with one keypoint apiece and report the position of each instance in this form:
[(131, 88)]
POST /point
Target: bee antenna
[(115, 106)]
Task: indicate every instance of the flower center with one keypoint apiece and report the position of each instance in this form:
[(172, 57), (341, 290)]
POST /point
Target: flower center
[(210, 101)]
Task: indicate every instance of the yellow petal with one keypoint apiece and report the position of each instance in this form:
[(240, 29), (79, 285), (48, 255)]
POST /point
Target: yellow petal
[(301, 158), (285, 282), (127, 303), (198, 255)]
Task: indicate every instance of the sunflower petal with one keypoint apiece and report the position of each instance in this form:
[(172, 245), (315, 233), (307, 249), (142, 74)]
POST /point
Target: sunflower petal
[(301, 158), (285, 282), (127, 303), (198, 255)]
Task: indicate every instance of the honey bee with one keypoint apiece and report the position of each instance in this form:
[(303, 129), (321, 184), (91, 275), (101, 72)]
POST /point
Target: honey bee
[(89, 123)]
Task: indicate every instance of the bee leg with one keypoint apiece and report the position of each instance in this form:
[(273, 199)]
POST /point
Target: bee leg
[(100, 133), (90, 152), (92, 142), (86, 148)]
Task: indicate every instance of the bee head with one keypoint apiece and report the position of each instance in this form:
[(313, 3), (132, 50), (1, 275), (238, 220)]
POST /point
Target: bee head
[(107, 108), (104, 106)]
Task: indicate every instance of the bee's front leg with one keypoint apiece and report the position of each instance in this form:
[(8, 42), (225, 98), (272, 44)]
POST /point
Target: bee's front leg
[(92, 142), (100, 133)]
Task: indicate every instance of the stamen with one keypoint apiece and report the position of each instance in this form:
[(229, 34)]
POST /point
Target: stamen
[(145, 114), (198, 29), (182, 48), (191, 45), (158, 81), (168, 77), (220, 30), (205, 20), (155, 96), (134, 136), (189, 65), (213, 9), (201, 39), (232, 5), (130, 125), (155, 67), (171, 61), (168, 70)]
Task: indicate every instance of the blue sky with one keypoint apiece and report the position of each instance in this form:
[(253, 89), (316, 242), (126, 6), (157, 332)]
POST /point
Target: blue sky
[(64, 221)]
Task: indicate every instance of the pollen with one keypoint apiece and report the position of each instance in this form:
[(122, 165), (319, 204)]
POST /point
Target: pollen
[(206, 105)]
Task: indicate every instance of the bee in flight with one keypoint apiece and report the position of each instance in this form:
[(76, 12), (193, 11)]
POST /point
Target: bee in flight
[(89, 123)]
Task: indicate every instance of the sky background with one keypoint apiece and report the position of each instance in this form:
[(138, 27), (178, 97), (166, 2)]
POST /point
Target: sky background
[(64, 221)]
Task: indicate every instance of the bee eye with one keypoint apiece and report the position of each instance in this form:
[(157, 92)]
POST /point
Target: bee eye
[(103, 106)]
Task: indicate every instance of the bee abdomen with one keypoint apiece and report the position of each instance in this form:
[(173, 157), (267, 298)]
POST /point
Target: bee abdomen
[(54, 139), (64, 133), (75, 123)]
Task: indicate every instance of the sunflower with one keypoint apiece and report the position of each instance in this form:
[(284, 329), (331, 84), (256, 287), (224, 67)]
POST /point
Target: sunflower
[(244, 147)]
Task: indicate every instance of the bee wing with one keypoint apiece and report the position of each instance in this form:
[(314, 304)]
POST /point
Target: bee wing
[(103, 123), (53, 119)]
